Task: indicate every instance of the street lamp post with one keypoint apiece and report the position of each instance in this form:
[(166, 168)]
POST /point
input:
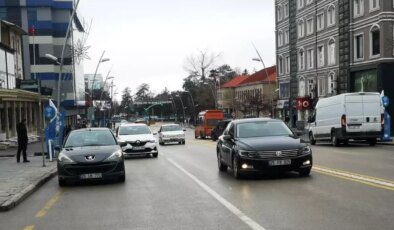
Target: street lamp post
[(175, 109), (194, 107), (183, 107), (102, 91)]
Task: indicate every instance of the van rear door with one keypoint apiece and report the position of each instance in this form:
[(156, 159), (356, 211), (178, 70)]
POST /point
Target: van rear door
[(372, 113), (354, 112)]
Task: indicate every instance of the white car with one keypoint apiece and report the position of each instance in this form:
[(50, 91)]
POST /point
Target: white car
[(137, 140), (171, 133)]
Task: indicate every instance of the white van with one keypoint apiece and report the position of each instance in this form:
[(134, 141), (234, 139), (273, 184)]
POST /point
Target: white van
[(356, 116)]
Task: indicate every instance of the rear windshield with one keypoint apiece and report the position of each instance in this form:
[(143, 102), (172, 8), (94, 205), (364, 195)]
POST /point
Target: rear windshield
[(262, 129), (170, 128), (134, 130), (90, 138)]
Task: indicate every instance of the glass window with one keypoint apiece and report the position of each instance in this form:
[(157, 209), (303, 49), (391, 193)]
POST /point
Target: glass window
[(287, 36), (284, 90), (321, 84), (90, 138), (287, 64), (375, 41), (366, 81), (286, 9), (358, 8), (169, 128), (301, 87), (262, 129), (320, 21), (300, 4), (374, 5), (320, 56), (359, 46), (301, 59), (301, 28), (3, 13), (3, 70), (309, 26), (134, 130), (331, 15), (332, 84), (310, 59), (331, 52)]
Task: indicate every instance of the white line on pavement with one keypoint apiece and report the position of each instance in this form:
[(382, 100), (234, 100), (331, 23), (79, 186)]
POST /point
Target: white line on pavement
[(247, 220)]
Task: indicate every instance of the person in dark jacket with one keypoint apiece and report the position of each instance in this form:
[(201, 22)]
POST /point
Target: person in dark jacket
[(22, 141)]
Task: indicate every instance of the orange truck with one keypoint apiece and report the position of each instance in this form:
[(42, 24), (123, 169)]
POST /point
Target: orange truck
[(206, 121)]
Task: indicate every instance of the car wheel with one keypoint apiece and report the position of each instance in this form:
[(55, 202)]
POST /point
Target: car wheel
[(236, 173), (304, 172), (346, 142), (183, 142), (155, 155), (372, 142), (334, 140), (161, 142), (222, 167), (62, 182), (122, 178), (312, 139)]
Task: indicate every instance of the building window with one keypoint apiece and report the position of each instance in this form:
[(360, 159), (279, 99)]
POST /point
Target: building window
[(332, 84), (301, 59), (309, 57), (309, 26), (301, 28), (284, 90), (311, 88), (286, 9), (331, 52), (301, 87), (321, 85), (320, 56), (331, 15), (279, 12), (280, 61), (358, 8), (287, 64), (286, 36), (359, 46), (280, 38), (375, 41), (3, 13), (300, 4), (320, 21), (374, 5)]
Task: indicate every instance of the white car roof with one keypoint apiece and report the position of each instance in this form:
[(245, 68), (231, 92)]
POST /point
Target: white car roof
[(133, 124), (170, 125)]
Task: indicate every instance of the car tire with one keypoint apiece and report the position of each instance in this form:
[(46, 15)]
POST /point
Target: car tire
[(183, 142), (236, 172), (304, 172), (346, 142), (202, 136), (62, 182), (372, 142), (155, 155), (122, 178), (222, 167), (161, 142), (312, 139), (334, 139)]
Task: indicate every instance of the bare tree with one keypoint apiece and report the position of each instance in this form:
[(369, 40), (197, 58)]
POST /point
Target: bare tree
[(201, 64)]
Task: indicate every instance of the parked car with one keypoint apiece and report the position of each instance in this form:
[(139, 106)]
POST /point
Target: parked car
[(90, 154), (357, 116), (262, 145), (137, 140), (218, 130), (171, 133)]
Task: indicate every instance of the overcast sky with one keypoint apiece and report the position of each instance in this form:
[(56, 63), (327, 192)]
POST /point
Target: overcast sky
[(148, 41)]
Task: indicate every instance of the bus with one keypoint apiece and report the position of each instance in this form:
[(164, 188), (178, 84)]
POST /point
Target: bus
[(206, 121)]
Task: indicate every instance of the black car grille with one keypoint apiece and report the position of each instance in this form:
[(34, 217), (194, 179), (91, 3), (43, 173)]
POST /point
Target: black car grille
[(137, 151), (275, 154), (90, 168), (141, 143)]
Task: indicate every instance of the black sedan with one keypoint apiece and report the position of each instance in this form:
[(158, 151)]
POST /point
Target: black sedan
[(90, 154), (262, 145)]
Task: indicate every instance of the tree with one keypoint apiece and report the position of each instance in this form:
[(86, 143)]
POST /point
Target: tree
[(201, 64), (127, 101), (143, 93)]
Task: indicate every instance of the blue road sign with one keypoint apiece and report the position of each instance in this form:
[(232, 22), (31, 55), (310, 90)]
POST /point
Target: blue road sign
[(49, 112)]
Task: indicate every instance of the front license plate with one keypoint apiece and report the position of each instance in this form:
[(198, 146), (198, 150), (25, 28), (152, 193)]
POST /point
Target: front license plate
[(91, 176), (279, 162), (139, 148)]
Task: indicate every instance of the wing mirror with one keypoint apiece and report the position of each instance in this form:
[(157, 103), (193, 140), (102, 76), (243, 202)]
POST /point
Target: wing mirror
[(155, 133), (184, 130), (227, 137), (58, 148)]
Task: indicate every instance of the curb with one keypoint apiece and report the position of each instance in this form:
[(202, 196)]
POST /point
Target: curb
[(26, 192)]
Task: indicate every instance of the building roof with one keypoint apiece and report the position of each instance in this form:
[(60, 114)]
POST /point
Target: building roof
[(261, 76), (13, 26), (236, 81)]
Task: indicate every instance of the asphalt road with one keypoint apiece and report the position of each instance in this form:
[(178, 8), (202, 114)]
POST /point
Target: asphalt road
[(350, 188)]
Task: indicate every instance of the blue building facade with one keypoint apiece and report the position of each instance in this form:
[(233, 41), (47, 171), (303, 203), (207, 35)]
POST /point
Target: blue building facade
[(47, 22)]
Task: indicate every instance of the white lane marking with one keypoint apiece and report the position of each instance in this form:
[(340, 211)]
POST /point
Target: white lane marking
[(247, 220), (356, 177)]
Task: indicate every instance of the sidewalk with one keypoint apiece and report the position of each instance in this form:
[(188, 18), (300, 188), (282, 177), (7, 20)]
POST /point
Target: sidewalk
[(18, 181)]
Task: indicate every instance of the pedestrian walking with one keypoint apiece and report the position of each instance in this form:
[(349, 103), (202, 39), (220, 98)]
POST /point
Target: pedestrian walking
[(22, 141)]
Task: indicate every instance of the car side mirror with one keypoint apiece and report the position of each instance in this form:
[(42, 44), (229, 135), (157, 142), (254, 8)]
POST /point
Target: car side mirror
[(184, 130), (227, 137), (58, 148), (155, 133), (311, 119)]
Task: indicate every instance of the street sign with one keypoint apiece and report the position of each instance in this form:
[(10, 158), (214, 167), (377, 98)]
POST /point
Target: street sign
[(50, 112)]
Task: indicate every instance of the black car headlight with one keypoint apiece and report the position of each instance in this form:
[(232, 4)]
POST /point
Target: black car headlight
[(306, 150), (244, 153), (115, 156), (63, 158)]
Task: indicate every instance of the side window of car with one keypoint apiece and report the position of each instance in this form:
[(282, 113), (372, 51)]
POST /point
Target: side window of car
[(226, 131)]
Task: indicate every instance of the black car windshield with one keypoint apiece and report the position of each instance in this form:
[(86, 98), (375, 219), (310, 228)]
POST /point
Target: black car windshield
[(170, 128), (134, 130), (262, 129), (90, 138)]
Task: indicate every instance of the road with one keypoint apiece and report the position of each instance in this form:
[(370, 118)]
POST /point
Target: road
[(350, 188)]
